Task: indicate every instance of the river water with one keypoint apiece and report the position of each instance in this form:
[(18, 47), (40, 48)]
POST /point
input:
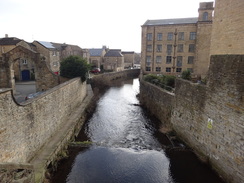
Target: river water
[(128, 148)]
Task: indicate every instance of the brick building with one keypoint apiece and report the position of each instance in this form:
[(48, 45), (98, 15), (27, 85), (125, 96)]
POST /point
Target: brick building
[(170, 46)]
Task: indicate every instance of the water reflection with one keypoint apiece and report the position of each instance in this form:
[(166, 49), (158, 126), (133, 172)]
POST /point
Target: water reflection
[(125, 148), (119, 165)]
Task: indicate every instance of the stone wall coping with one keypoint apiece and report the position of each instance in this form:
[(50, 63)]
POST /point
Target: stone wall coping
[(155, 86), (11, 166), (3, 90), (45, 93)]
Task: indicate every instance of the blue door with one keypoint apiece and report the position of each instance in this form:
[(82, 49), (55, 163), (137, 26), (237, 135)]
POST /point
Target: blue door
[(25, 75)]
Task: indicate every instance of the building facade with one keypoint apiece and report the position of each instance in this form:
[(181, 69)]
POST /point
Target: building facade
[(23, 67), (129, 59), (54, 53), (97, 56), (113, 60), (170, 46)]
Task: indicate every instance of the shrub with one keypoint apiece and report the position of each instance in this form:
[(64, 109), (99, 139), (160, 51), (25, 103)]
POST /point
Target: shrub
[(164, 81), (186, 75), (74, 66)]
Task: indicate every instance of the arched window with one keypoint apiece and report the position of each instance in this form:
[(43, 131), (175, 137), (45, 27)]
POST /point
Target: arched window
[(205, 16)]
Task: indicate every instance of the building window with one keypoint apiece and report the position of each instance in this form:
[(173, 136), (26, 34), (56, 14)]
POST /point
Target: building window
[(178, 69), (191, 47), (168, 59), (24, 61), (55, 64), (160, 37), (169, 49), (148, 59), (1, 58), (159, 48), (158, 69), (149, 36), (190, 69), (148, 68), (179, 61), (192, 35), (149, 48), (54, 53), (170, 36), (181, 36), (158, 59), (168, 69), (205, 16), (190, 60), (180, 48)]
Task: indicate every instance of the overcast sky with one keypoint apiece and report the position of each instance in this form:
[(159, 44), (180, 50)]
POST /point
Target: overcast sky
[(88, 23)]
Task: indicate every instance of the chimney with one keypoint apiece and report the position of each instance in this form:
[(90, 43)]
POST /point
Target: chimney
[(6, 35)]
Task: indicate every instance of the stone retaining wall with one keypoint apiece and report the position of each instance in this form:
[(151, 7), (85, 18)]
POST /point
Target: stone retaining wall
[(105, 80), (209, 118), (25, 128)]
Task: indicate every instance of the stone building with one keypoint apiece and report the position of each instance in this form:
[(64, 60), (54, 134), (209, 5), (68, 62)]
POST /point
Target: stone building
[(170, 46), (97, 56), (23, 67), (54, 53), (129, 58), (114, 60)]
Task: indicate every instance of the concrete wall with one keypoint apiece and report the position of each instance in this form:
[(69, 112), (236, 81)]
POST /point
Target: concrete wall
[(209, 118), (25, 128), (228, 27)]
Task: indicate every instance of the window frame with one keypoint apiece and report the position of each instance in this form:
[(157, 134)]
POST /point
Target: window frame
[(170, 36), (159, 46), (148, 69), (159, 36), (158, 59), (168, 58), (149, 36), (192, 48), (149, 48), (180, 46), (181, 36), (158, 69), (168, 69), (192, 36), (190, 59), (179, 61)]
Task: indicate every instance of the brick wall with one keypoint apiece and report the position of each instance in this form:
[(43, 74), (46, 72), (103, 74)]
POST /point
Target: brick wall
[(25, 128)]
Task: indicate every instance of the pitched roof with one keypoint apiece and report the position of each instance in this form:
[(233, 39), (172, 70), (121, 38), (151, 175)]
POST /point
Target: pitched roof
[(113, 53), (9, 41), (46, 44), (95, 52), (171, 21)]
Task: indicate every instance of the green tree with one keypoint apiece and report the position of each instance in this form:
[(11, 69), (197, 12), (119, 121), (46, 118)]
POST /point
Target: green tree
[(74, 66)]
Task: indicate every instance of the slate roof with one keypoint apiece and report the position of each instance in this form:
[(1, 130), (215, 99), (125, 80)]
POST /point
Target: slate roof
[(171, 21), (113, 53), (9, 41), (95, 52)]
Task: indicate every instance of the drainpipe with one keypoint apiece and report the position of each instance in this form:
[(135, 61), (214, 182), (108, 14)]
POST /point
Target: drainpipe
[(174, 55)]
